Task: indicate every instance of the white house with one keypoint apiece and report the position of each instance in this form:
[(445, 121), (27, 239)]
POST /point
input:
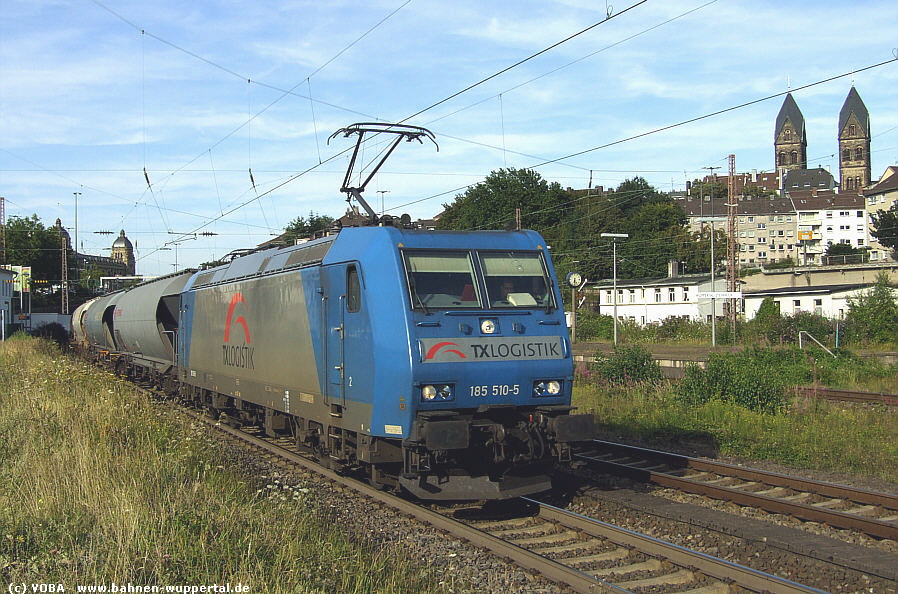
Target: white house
[(881, 196), (830, 301), (651, 301)]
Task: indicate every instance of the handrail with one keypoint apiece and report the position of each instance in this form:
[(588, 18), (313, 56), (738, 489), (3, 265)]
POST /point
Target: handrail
[(820, 344)]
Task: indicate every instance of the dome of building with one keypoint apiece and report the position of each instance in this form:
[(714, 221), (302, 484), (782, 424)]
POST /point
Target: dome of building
[(122, 241), (123, 251)]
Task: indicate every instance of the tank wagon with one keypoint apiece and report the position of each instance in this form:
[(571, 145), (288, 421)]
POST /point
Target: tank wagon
[(437, 362)]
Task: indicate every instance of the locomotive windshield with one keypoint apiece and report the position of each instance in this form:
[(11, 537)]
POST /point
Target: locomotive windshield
[(451, 280), (441, 280), (515, 279)]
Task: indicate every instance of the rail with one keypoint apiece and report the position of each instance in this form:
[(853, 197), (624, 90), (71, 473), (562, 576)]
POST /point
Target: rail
[(872, 513)]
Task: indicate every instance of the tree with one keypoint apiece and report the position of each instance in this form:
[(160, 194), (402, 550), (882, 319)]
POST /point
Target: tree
[(29, 243), (873, 315), (885, 228), (491, 204), (300, 228)]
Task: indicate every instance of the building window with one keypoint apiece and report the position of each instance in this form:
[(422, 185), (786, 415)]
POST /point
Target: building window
[(632, 295), (794, 158), (685, 293), (657, 295), (782, 158), (787, 134), (762, 225), (852, 130), (671, 295), (607, 296), (846, 154)]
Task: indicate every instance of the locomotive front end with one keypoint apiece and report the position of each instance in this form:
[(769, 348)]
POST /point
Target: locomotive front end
[(492, 368)]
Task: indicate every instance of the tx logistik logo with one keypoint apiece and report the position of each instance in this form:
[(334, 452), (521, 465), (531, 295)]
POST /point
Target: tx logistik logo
[(233, 355), (435, 349)]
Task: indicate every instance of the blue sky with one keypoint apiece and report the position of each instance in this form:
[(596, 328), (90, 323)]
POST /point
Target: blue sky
[(93, 93)]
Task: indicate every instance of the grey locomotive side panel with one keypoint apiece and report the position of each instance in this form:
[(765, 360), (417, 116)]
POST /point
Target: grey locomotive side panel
[(257, 332)]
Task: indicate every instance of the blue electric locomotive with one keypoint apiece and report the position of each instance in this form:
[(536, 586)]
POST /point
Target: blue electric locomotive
[(434, 361)]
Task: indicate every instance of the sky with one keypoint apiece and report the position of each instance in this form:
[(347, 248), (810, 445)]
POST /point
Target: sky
[(151, 115)]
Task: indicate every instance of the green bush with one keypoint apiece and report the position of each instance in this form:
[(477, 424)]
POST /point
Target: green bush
[(627, 364), (873, 315), (756, 379), (593, 326)]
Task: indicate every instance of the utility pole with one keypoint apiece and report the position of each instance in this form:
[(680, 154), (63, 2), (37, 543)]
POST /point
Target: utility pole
[(711, 168), (614, 237), (732, 247), (65, 276), (2, 230)]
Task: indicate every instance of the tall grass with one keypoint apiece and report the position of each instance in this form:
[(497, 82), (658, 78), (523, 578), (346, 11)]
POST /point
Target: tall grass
[(98, 484), (809, 434)]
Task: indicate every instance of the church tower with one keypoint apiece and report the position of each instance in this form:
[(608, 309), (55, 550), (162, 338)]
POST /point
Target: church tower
[(790, 139), (854, 143)]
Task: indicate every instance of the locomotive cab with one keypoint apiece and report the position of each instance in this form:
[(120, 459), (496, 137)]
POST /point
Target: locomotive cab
[(492, 368)]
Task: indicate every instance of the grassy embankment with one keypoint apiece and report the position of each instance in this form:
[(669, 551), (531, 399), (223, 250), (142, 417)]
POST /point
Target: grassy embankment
[(100, 485), (804, 433)]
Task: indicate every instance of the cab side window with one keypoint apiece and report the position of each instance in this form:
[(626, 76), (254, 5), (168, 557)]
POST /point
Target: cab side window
[(353, 290)]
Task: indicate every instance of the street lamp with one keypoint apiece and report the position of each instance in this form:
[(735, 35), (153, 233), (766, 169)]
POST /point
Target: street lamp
[(382, 192), (614, 237)]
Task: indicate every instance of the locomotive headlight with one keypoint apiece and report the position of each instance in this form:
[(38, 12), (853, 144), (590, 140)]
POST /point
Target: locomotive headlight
[(442, 392), (547, 388), (487, 326)]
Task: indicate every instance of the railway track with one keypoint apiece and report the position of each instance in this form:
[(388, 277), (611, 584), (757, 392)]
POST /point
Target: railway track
[(874, 514), (620, 560), (571, 550), (848, 395)]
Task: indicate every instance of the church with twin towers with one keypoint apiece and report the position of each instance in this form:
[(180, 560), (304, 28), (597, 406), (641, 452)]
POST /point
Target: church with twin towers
[(791, 141)]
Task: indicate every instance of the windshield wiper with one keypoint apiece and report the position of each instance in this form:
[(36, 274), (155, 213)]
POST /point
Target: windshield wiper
[(418, 298)]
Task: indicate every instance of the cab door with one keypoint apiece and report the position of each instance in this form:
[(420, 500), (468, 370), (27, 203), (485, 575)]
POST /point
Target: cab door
[(333, 284), (348, 336)]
